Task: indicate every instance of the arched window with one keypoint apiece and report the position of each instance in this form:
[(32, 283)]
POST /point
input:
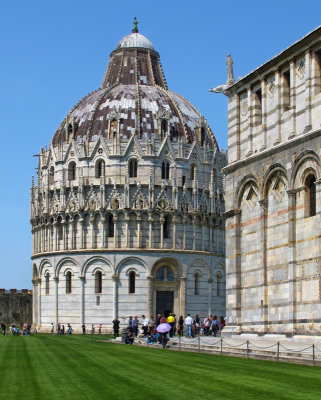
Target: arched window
[(132, 282), (166, 227), (100, 168), (111, 227), (165, 274), (98, 282), (133, 169), (47, 283), (113, 128), (310, 196), (164, 128), (52, 176), (165, 170), (72, 171), (68, 282), (193, 169), (197, 283)]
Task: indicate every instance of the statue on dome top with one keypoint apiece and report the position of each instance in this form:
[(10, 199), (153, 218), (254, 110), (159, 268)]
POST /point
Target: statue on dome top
[(135, 28)]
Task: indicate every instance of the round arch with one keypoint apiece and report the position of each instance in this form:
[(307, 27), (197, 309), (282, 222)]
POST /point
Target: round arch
[(43, 264), (125, 260), (64, 261), (248, 179), (273, 170), (169, 262), (196, 263), (91, 261)]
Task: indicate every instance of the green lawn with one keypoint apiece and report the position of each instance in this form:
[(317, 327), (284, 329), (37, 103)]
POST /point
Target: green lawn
[(47, 367)]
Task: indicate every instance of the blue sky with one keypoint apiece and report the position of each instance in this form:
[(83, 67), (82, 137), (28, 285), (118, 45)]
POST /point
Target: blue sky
[(54, 53)]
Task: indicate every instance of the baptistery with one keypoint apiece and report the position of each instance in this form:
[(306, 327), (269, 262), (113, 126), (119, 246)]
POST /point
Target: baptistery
[(127, 211)]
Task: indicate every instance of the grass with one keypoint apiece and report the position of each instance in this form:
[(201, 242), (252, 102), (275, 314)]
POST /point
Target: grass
[(76, 367)]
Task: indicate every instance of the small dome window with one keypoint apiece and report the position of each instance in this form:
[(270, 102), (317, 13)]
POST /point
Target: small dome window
[(165, 274), (164, 128), (113, 128), (165, 170), (100, 168), (52, 176), (133, 169), (72, 171)]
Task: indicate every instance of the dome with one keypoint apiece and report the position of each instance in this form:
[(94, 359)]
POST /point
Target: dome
[(135, 95), (135, 40)]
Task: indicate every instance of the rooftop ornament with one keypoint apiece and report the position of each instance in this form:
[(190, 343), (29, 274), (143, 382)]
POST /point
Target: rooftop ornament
[(135, 28), (230, 77)]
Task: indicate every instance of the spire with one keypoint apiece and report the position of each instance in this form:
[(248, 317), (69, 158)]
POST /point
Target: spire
[(135, 28)]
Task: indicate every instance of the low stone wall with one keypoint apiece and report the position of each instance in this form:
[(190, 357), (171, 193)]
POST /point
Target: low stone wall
[(16, 306)]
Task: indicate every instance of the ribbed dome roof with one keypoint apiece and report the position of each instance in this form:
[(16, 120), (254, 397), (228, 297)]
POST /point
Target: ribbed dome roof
[(134, 92), (135, 40)]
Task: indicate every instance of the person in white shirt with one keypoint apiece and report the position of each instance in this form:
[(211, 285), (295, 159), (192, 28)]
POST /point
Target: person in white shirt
[(188, 325), (52, 328), (145, 322)]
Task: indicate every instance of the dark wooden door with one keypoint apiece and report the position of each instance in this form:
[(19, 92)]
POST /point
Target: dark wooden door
[(164, 303)]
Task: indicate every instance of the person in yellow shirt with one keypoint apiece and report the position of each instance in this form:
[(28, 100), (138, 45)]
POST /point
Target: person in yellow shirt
[(171, 322)]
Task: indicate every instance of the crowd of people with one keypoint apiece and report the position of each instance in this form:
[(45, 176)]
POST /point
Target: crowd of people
[(192, 326), (23, 329)]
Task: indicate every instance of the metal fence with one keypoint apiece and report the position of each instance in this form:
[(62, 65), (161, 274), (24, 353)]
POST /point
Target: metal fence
[(308, 354)]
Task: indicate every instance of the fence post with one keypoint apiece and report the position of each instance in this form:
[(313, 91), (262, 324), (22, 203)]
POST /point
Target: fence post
[(278, 352), (221, 346), (247, 348), (313, 354), (199, 344)]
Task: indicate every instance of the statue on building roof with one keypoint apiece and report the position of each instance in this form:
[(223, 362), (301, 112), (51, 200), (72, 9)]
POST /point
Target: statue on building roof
[(230, 74)]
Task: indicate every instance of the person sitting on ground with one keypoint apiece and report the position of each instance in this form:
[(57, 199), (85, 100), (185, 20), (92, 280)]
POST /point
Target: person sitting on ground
[(129, 339)]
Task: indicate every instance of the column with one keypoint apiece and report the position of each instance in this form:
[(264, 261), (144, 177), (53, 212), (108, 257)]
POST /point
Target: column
[(184, 232), (115, 219), (202, 228), (161, 221), (139, 233), (264, 114), (103, 232), (264, 295), (115, 296), (35, 295), (250, 127), (56, 280), (238, 130), (280, 106), (209, 297), (194, 234), (81, 224), (149, 295), (64, 234), (210, 227), (183, 295), (73, 230), (293, 97), (292, 259), (308, 91), (92, 232), (39, 302), (82, 300), (55, 236), (150, 233), (126, 219), (174, 232)]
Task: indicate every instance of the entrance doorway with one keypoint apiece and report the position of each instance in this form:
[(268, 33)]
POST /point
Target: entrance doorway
[(164, 303)]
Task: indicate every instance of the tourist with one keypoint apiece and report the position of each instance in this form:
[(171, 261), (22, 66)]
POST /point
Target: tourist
[(3, 328), (215, 325), (145, 322), (151, 324), (63, 330), (135, 326), (83, 327), (197, 323), (188, 325), (130, 323), (158, 319), (58, 329), (163, 319), (222, 322), (28, 330), (116, 323), (99, 329), (129, 338), (92, 329), (52, 328), (207, 325), (180, 326), (69, 329), (171, 322)]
